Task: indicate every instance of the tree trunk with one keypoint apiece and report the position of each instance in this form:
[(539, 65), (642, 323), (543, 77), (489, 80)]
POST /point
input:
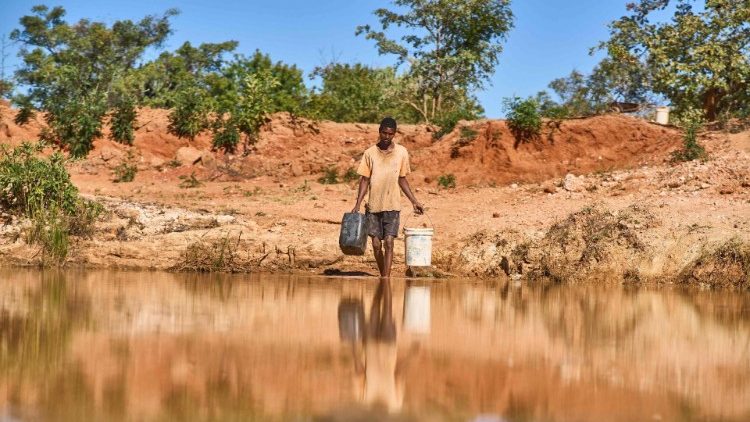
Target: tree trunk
[(711, 102)]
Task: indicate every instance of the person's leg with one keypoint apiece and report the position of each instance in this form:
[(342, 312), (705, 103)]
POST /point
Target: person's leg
[(377, 298), (375, 230), (377, 249), (390, 232), (387, 325), (388, 258)]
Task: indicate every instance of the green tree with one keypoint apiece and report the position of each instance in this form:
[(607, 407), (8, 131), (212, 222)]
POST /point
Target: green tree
[(698, 59), (6, 85), (289, 92), (71, 70), (523, 118), (452, 45), (358, 93), (245, 111), (161, 78), (585, 95), (190, 114)]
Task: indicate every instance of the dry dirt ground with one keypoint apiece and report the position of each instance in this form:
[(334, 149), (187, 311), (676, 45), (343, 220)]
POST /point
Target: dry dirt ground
[(590, 198)]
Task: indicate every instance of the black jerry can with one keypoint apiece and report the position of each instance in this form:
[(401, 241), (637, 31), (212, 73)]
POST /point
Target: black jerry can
[(353, 236)]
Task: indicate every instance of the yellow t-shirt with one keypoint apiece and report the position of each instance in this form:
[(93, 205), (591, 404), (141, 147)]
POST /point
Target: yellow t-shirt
[(384, 168)]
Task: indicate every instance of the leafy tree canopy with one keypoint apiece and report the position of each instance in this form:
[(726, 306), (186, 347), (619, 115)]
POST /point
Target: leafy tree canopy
[(71, 69), (698, 59), (451, 45)]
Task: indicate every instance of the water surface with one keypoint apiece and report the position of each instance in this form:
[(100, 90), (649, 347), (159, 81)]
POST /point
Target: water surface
[(152, 346)]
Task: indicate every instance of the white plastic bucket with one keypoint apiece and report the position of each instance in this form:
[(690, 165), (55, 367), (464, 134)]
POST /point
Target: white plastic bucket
[(662, 115), (417, 309), (418, 246)]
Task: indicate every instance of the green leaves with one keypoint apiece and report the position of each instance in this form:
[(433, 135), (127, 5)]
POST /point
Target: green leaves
[(452, 45), (523, 118), (77, 73), (697, 60), (358, 93), (189, 115)]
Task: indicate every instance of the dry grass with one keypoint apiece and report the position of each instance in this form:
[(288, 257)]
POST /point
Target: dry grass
[(214, 255), (726, 266), (590, 240)]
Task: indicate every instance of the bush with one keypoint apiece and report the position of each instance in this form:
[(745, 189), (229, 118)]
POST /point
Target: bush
[(691, 149), (125, 172), (189, 182), (447, 181), (448, 120), (468, 133), (523, 117), (29, 183), (189, 117), (350, 175), (247, 105), (226, 136), (40, 189), (121, 123), (74, 121), (215, 255), (330, 176)]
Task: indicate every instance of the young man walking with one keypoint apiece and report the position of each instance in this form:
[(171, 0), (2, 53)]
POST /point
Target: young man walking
[(383, 170)]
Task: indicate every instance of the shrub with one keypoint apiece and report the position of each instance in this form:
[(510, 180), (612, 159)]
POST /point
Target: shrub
[(189, 117), (189, 182), (248, 106), (468, 133), (74, 121), (40, 189), (226, 136), (350, 175), (523, 117), (173, 163), (448, 120), (691, 149), (121, 123), (447, 181), (304, 187), (467, 136), (330, 176), (125, 172), (216, 255), (29, 183)]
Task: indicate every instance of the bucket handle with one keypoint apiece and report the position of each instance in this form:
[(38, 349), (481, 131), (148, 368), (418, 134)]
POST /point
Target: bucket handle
[(423, 213)]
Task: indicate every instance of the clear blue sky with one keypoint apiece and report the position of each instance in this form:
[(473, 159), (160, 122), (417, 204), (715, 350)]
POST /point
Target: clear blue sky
[(550, 37)]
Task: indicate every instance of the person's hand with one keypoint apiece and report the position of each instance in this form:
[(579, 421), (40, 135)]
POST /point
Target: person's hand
[(418, 208), (355, 210)]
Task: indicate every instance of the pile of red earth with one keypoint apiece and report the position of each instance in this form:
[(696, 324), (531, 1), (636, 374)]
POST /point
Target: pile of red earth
[(475, 152)]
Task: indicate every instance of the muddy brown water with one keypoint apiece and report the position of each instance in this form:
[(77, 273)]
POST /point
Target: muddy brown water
[(111, 346)]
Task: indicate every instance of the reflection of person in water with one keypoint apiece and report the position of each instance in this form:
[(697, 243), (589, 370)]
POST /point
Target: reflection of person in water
[(379, 372)]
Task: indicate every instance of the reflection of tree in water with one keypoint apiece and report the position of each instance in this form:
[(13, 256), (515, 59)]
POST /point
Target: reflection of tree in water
[(596, 315), (35, 344), (728, 308), (591, 316)]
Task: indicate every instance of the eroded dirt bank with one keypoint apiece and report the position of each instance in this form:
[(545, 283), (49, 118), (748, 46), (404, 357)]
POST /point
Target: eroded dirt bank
[(590, 198)]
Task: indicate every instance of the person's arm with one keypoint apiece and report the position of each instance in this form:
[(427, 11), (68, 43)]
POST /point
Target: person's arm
[(364, 182), (404, 185)]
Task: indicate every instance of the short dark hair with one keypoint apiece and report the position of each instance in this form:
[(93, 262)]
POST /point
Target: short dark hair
[(388, 122)]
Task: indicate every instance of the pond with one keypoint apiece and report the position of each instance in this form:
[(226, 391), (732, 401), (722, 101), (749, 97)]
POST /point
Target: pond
[(146, 346)]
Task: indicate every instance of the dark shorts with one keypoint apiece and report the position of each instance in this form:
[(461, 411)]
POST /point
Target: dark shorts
[(382, 224)]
